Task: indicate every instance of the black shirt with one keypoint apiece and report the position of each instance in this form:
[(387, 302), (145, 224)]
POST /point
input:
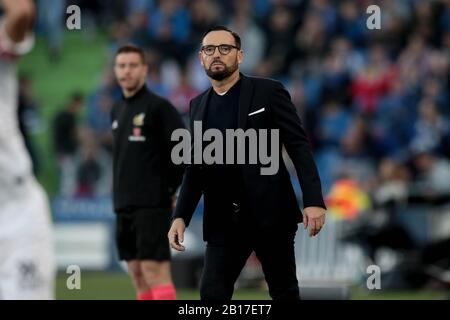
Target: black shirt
[(223, 110), (143, 173), (222, 113)]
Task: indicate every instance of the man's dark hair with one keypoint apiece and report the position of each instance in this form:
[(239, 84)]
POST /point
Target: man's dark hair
[(129, 48), (237, 38)]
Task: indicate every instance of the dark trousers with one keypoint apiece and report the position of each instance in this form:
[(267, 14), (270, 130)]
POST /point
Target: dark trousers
[(224, 262)]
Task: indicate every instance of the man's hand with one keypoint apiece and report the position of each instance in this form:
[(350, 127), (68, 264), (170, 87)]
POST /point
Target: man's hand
[(19, 18), (314, 218), (176, 234)]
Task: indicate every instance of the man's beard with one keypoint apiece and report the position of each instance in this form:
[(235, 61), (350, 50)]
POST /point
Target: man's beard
[(223, 74), (133, 86)]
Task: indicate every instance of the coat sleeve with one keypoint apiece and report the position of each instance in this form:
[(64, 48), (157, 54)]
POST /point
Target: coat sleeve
[(171, 121), (191, 187), (293, 137)]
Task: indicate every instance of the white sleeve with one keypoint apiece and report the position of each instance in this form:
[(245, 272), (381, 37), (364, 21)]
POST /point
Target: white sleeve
[(11, 49)]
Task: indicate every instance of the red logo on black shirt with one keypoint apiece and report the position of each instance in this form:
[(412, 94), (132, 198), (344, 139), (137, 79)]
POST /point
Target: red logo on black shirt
[(136, 132)]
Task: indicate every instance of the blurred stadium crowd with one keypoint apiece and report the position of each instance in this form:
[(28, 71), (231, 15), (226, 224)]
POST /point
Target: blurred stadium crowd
[(375, 103)]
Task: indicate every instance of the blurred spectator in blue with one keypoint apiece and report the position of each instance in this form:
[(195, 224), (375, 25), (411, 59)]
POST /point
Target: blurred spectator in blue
[(310, 39), (414, 60), (353, 157), (439, 64), (204, 15), (261, 9), (98, 110), (251, 35), (279, 33), (445, 16), (120, 33), (100, 13), (169, 27), (51, 19), (138, 20), (344, 61), (140, 5), (154, 77), (327, 12), (394, 24), (393, 121), (434, 89), (298, 96), (425, 21), (336, 79), (183, 93), (113, 10), (197, 76), (430, 128), (333, 124), (352, 22), (446, 44), (436, 85), (357, 158), (93, 168)]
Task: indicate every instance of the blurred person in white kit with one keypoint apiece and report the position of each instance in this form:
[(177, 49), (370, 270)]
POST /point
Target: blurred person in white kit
[(27, 267)]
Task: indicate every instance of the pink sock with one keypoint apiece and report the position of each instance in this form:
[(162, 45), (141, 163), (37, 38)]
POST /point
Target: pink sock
[(146, 295), (164, 292)]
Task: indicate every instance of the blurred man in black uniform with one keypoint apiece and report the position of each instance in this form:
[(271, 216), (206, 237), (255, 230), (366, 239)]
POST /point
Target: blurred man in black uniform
[(144, 178)]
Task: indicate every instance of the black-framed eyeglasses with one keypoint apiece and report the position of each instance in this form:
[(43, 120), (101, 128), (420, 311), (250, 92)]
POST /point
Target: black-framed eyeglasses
[(223, 49)]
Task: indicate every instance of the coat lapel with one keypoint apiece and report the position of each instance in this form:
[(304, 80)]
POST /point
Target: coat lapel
[(245, 98), (201, 110)]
